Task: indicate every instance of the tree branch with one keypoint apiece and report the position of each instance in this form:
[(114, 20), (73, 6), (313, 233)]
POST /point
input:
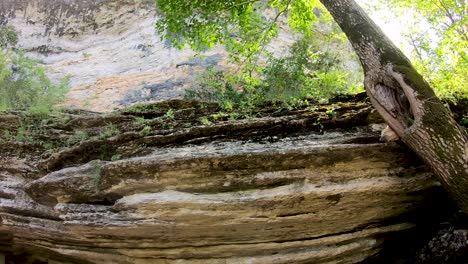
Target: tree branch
[(267, 29), (449, 15)]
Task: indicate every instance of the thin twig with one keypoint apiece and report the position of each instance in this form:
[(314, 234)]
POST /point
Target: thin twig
[(263, 39)]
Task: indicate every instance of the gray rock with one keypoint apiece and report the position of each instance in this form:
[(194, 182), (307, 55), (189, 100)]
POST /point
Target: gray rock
[(310, 199), (109, 48)]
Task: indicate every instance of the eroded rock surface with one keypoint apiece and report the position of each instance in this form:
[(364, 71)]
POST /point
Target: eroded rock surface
[(261, 190), (110, 49)]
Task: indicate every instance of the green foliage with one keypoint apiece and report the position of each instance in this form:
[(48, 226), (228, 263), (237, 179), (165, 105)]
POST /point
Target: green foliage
[(109, 131), (23, 134), (307, 72), (464, 121), (220, 116), (8, 36), (24, 84), (217, 86), (141, 120), (116, 157), (237, 24), (29, 130), (439, 41), (310, 70), (205, 121), (331, 110), (243, 27), (96, 175), (77, 137), (146, 131), (170, 114)]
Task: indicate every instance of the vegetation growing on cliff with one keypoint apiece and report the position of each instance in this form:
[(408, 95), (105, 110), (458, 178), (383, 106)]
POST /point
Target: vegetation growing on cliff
[(315, 66), (24, 84), (405, 100), (312, 68)]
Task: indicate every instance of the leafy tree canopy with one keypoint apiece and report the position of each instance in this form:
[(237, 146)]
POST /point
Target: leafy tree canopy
[(439, 41), (244, 27), (313, 67)]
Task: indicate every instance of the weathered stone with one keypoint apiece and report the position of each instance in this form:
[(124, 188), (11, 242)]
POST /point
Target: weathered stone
[(271, 189), (307, 199), (109, 48)]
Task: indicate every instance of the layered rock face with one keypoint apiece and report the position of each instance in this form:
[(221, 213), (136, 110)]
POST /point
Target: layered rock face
[(109, 48), (177, 182), (265, 190)]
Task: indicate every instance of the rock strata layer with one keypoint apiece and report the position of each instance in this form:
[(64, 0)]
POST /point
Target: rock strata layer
[(332, 196), (110, 49)]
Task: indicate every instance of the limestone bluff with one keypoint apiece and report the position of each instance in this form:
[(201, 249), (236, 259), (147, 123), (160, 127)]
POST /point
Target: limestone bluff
[(109, 48)]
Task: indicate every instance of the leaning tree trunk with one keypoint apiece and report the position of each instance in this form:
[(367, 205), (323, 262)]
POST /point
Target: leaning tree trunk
[(406, 101)]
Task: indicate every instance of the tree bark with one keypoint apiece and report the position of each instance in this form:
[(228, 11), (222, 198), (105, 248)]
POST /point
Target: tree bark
[(406, 101)]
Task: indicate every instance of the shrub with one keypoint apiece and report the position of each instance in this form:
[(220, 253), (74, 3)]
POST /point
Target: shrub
[(306, 72), (109, 131), (24, 84), (8, 36), (221, 87)]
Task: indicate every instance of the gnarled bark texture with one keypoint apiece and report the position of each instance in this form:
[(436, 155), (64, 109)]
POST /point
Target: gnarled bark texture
[(406, 101)]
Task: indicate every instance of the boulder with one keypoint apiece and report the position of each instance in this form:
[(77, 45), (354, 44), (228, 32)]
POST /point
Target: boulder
[(333, 195)]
